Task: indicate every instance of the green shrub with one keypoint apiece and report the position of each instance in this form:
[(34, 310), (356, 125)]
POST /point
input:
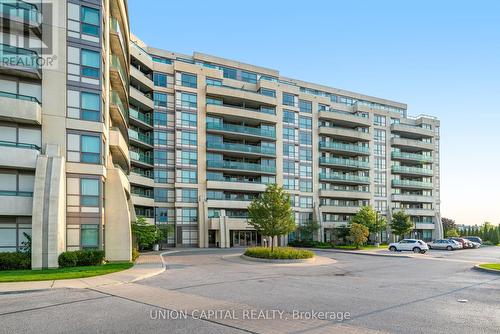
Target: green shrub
[(282, 253), (16, 260), (135, 254), (85, 257), (309, 243)]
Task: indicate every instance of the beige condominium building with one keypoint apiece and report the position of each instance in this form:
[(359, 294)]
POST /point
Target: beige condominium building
[(208, 134), (64, 155)]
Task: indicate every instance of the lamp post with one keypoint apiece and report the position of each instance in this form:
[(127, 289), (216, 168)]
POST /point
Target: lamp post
[(377, 243)]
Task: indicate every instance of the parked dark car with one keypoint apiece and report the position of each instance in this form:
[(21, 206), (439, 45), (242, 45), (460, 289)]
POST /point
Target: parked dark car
[(465, 243), (474, 239)]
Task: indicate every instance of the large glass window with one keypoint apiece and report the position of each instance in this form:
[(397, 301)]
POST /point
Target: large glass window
[(160, 79), (305, 106), (89, 192), (89, 234), (188, 119), (160, 99), (90, 21), (188, 101), (84, 148), (91, 63), (229, 73), (91, 106), (189, 138), (189, 216), (289, 99), (248, 77), (188, 80), (305, 123)]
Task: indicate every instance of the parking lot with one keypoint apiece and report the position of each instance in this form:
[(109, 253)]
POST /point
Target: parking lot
[(421, 293)]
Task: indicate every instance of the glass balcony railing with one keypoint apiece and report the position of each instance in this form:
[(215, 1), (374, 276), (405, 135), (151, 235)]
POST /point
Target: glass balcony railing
[(343, 177), (142, 172), (412, 170), (141, 50), (140, 116), (25, 11), (344, 147), (117, 101), (242, 148), (411, 183), (242, 129), (16, 193), (238, 165), (19, 97), (115, 63), (264, 110), (140, 137), (141, 193), (141, 157), (220, 178), (344, 162), (20, 145), (15, 57), (231, 197), (411, 156)]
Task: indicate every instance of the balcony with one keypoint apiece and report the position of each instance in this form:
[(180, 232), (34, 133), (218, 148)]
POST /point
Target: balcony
[(340, 209), (119, 149), (140, 118), (144, 101), (141, 159), (118, 112), (411, 170), (242, 148), (411, 144), (241, 166), (227, 204), (19, 62), (343, 178), (20, 108), (412, 198), (412, 184), (141, 77), (140, 139), (345, 118), (344, 134), (226, 184), (16, 203), (140, 179), (242, 130), (119, 78), (405, 156), (350, 149), (240, 94), (18, 155), (20, 12), (238, 113), (349, 194), (334, 224), (118, 45), (141, 55), (142, 199), (344, 163), (417, 211), (411, 130)]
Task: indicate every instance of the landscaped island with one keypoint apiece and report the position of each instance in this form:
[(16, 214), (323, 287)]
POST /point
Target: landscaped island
[(279, 253)]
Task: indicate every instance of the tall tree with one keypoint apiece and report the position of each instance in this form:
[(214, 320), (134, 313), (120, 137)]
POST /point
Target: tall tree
[(271, 213), (401, 223), (358, 234), (366, 216), (448, 224)]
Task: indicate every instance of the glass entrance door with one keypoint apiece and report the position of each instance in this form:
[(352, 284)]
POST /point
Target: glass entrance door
[(244, 238)]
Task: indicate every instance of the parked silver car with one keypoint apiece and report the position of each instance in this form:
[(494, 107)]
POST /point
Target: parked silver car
[(447, 244), (474, 244)]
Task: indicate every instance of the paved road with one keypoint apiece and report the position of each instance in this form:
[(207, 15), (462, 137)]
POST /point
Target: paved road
[(420, 294)]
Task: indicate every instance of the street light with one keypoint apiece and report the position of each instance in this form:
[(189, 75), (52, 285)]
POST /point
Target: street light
[(377, 243)]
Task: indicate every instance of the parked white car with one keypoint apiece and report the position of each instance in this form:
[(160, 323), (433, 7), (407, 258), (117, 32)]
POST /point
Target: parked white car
[(413, 245), (447, 244)]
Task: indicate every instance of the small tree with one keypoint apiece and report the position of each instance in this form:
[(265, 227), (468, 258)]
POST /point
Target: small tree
[(308, 229), (358, 234), (452, 233), (448, 224), (271, 213), (401, 223), (145, 234), (366, 216)]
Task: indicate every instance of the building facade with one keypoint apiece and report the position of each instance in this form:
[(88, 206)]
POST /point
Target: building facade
[(64, 156), (208, 134)]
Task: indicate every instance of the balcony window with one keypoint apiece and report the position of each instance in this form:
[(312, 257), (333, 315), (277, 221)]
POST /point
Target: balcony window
[(89, 234), (90, 21), (160, 79), (91, 63)]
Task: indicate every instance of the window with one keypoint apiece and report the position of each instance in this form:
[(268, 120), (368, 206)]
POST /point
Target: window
[(89, 195), (84, 148), (305, 123), (164, 215), (305, 154), (164, 195), (306, 202), (268, 92), (217, 102), (189, 138), (290, 183), (162, 60), (305, 170), (289, 117), (306, 185), (188, 119), (289, 99), (188, 216), (89, 235), (91, 63), (213, 82), (289, 166), (188, 80), (91, 107), (289, 150), (188, 176), (248, 77), (188, 196), (188, 101), (189, 157), (379, 120), (289, 133), (160, 99), (379, 135), (305, 138), (90, 21), (380, 163), (305, 106), (379, 149), (229, 73), (160, 79)]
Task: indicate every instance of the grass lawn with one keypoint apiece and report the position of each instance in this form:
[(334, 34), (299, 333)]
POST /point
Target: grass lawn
[(62, 273), (491, 265)]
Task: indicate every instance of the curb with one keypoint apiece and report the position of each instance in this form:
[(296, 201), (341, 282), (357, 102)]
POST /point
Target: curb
[(488, 270), (255, 259), (359, 253)]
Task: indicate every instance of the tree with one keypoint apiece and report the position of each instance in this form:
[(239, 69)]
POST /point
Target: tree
[(145, 234), (451, 233), (366, 216), (401, 223), (308, 229), (358, 234), (271, 213), (448, 224)]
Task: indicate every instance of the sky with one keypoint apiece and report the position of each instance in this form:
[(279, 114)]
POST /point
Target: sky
[(442, 58)]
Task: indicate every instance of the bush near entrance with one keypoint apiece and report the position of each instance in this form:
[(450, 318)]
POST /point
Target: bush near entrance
[(79, 258), (15, 260), (279, 253)]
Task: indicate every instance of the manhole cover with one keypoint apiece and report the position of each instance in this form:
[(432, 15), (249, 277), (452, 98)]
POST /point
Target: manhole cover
[(462, 300)]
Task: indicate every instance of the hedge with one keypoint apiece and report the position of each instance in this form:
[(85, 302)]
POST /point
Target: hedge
[(16, 260), (282, 253), (79, 258)]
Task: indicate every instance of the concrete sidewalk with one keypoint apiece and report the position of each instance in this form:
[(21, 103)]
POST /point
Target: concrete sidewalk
[(147, 265)]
